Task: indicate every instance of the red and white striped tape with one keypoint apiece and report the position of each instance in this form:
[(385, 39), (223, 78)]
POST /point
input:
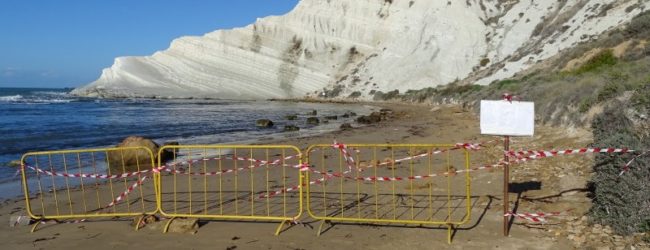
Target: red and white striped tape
[(509, 97), (238, 158), (306, 167), (83, 175), (536, 154), (626, 167), (535, 217), (126, 192)]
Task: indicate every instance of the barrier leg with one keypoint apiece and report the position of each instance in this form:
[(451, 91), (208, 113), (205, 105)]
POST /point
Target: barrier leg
[(140, 219), (169, 222), (277, 231), (323, 222), (36, 223), (450, 233)]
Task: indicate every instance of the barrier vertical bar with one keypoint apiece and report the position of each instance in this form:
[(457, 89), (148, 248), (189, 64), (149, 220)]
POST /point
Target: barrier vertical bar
[(506, 181)]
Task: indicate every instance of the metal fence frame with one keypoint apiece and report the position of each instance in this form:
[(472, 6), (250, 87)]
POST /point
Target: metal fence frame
[(240, 217), (43, 217), (449, 224)]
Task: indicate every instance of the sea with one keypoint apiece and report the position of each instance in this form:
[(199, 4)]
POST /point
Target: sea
[(39, 119)]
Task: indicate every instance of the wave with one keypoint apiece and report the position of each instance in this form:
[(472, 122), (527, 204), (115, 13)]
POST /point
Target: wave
[(11, 98), (51, 93), (33, 99)]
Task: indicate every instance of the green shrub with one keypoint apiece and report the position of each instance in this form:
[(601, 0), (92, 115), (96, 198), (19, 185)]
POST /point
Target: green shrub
[(622, 202), (641, 97), (608, 91), (453, 89), (354, 94), (585, 104), (601, 60), (639, 26), (381, 96), (484, 62), (505, 84)]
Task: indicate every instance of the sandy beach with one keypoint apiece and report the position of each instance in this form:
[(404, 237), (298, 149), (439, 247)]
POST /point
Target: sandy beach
[(561, 179)]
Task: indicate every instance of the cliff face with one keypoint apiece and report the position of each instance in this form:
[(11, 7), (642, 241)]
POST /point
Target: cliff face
[(363, 45)]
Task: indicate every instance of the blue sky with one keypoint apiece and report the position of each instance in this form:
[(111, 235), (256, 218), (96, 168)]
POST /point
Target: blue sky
[(68, 43)]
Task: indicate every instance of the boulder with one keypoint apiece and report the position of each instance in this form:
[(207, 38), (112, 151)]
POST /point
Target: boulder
[(349, 114), (291, 117), (130, 160), (264, 123), (288, 128), (189, 225), (346, 126), (374, 117), (313, 120), (169, 153)]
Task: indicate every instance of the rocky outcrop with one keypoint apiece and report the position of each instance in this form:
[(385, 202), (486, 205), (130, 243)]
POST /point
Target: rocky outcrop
[(337, 48)]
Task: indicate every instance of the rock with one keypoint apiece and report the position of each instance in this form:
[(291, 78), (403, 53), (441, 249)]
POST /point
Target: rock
[(14, 163), (288, 128), (346, 115), (291, 117), (19, 220), (128, 160), (346, 126), (374, 117), (313, 120), (331, 117), (190, 226), (170, 153), (264, 123), (313, 112), (385, 111)]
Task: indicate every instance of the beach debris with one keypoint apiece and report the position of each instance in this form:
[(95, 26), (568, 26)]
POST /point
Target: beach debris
[(331, 117), (131, 160), (189, 225), (19, 220), (288, 128), (264, 123), (144, 220), (233, 247), (452, 171), (313, 120), (291, 117), (313, 112), (43, 239), (346, 126), (235, 238)]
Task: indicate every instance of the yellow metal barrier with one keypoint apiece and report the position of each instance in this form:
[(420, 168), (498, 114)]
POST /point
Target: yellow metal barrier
[(238, 182), (389, 183), (88, 183)]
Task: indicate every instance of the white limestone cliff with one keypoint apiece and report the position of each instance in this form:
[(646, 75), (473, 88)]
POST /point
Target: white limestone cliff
[(364, 45)]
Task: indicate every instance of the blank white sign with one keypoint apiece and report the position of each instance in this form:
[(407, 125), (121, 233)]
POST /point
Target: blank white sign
[(507, 118)]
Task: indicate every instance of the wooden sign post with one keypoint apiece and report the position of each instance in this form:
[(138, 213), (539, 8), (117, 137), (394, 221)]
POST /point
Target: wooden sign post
[(507, 118)]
